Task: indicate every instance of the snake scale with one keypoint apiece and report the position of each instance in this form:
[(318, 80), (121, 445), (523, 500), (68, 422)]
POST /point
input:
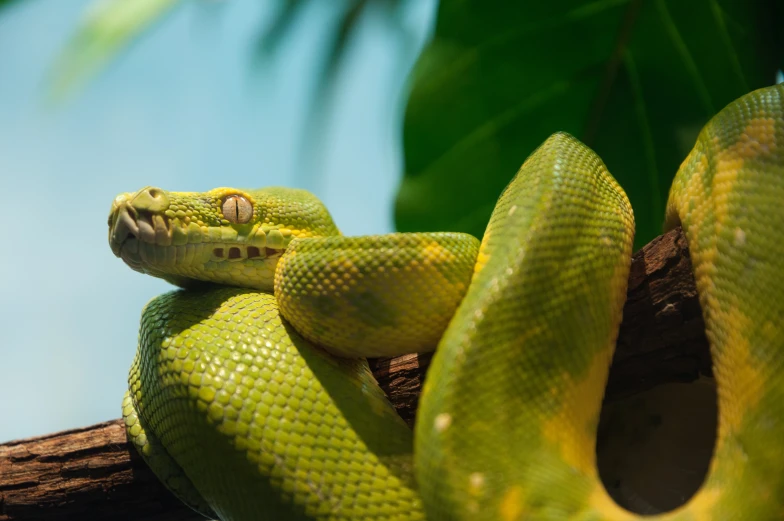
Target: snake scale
[(250, 398)]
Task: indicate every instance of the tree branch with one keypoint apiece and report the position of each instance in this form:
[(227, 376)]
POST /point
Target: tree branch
[(94, 473), (88, 473)]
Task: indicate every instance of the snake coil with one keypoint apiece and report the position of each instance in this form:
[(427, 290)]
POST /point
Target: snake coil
[(250, 398)]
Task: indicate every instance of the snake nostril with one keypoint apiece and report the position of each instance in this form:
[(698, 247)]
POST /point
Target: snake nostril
[(150, 199)]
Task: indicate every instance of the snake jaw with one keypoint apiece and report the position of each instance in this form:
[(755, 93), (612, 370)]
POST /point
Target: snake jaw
[(122, 229), (129, 227), (150, 242), (137, 217)]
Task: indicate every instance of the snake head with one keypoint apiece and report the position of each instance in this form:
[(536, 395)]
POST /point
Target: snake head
[(224, 236)]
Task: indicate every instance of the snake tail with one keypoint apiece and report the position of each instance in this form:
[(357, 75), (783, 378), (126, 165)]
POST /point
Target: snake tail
[(729, 197)]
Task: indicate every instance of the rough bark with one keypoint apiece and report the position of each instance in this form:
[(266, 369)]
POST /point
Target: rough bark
[(93, 473), (88, 473)]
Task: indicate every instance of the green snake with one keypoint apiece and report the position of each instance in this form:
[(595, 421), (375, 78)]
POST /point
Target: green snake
[(250, 398)]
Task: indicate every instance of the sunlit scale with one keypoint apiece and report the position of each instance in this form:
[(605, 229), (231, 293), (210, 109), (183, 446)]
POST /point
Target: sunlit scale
[(398, 291), (279, 408)]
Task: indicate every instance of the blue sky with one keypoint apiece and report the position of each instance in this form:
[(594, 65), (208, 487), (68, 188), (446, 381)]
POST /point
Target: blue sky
[(183, 109)]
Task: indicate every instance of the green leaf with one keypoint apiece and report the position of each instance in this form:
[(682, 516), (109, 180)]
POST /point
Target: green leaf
[(635, 80), (108, 26)]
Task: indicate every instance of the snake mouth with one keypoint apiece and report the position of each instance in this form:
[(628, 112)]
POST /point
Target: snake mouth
[(125, 233), (136, 236), (153, 243)]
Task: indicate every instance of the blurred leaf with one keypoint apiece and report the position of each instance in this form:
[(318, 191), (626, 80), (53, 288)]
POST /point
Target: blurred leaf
[(108, 26), (347, 24), (6, 3), (343, 28), (633, 79), (112, 24), (281, 24)]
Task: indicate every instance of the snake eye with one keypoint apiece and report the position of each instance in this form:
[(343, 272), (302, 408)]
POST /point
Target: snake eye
[(236, 209)]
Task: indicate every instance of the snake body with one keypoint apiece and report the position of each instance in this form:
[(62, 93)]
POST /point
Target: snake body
[(250, 398)]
